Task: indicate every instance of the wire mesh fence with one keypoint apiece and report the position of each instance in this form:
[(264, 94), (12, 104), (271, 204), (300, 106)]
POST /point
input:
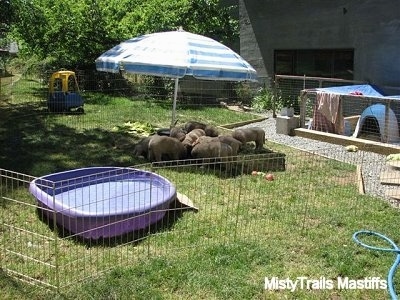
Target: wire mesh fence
[(368, 117), (371, 118), (61, 229), (288, 88), (193, 92), (51, 237), (5, 87)]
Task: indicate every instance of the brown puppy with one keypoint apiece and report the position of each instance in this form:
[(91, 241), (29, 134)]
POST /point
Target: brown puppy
[(231, 141), (178, 133), (208, 129), (211, 131), (191, 137), (211, 148), (165, 147), (142, 147), (252, 134), (189, 126), (227, 139)]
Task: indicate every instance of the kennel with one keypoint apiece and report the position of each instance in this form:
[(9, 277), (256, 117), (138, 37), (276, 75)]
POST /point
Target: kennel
[(375, 120), (359, 111), (102, 202)]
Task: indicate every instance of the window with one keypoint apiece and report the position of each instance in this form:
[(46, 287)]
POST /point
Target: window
[(331, 63)]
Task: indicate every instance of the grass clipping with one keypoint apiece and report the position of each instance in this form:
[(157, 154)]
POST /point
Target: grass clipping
[(136, 128)]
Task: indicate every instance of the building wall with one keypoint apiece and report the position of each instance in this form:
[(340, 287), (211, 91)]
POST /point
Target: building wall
[(370, 27)]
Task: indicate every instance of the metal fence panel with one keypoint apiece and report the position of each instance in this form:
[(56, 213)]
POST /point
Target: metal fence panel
[(233, 204)]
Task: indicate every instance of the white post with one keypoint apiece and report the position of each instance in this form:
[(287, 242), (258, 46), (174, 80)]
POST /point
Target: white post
[(174, 103)]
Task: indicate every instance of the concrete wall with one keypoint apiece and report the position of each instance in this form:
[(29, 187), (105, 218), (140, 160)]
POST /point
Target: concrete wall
[(370, 27)]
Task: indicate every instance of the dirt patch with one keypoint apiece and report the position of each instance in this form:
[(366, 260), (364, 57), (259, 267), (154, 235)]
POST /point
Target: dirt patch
[(239, 108)]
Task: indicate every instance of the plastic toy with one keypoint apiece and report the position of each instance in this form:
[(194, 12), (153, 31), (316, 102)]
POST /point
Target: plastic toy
[(64, 94)]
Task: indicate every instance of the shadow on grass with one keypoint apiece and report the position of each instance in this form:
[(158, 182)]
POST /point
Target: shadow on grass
[(8, 284), (247, 161), (36, 143), (33, 143)]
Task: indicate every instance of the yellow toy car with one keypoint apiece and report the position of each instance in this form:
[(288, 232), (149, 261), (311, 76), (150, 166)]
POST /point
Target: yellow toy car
[(64, 94)]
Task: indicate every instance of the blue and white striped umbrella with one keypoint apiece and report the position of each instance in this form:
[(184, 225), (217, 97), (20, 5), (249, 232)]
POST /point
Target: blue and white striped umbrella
[(176, 54)]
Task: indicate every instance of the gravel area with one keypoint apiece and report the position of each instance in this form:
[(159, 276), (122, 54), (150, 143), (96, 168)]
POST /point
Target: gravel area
[(372, 164)]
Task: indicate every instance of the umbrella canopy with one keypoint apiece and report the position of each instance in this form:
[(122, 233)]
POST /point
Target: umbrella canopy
[(176, 54)]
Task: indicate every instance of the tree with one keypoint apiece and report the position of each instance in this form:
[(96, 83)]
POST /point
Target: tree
[(5, 20), (58, 32), (73, 33), (5, 17)]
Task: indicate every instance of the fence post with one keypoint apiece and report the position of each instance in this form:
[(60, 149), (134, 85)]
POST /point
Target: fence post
[(385, 137), (56, 246), (239, 197), (275, 97), (303, 97)]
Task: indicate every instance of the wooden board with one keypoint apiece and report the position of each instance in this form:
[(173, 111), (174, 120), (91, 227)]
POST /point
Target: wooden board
[(395, 194), (370, 146), (184, 200), (390, 177), (395, 164), (360, 180)]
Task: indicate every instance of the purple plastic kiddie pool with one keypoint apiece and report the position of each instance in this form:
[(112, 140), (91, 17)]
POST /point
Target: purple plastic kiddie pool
[(102, 202)]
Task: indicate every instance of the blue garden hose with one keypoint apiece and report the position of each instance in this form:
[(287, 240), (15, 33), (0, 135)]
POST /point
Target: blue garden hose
[(394, 249)]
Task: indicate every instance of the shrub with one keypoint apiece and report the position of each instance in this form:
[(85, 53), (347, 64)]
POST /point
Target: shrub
[(263, 100)]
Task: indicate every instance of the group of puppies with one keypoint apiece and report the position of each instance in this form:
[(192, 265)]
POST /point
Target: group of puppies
[(197, 140)]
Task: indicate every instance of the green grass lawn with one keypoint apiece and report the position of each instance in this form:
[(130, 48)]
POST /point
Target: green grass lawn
[(246, 229), (42, 143)]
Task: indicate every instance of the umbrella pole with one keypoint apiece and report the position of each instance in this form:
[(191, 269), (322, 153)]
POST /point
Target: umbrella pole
[(174, 103)]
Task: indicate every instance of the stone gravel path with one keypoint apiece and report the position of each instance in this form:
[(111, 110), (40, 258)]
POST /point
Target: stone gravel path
[(372, 164)]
